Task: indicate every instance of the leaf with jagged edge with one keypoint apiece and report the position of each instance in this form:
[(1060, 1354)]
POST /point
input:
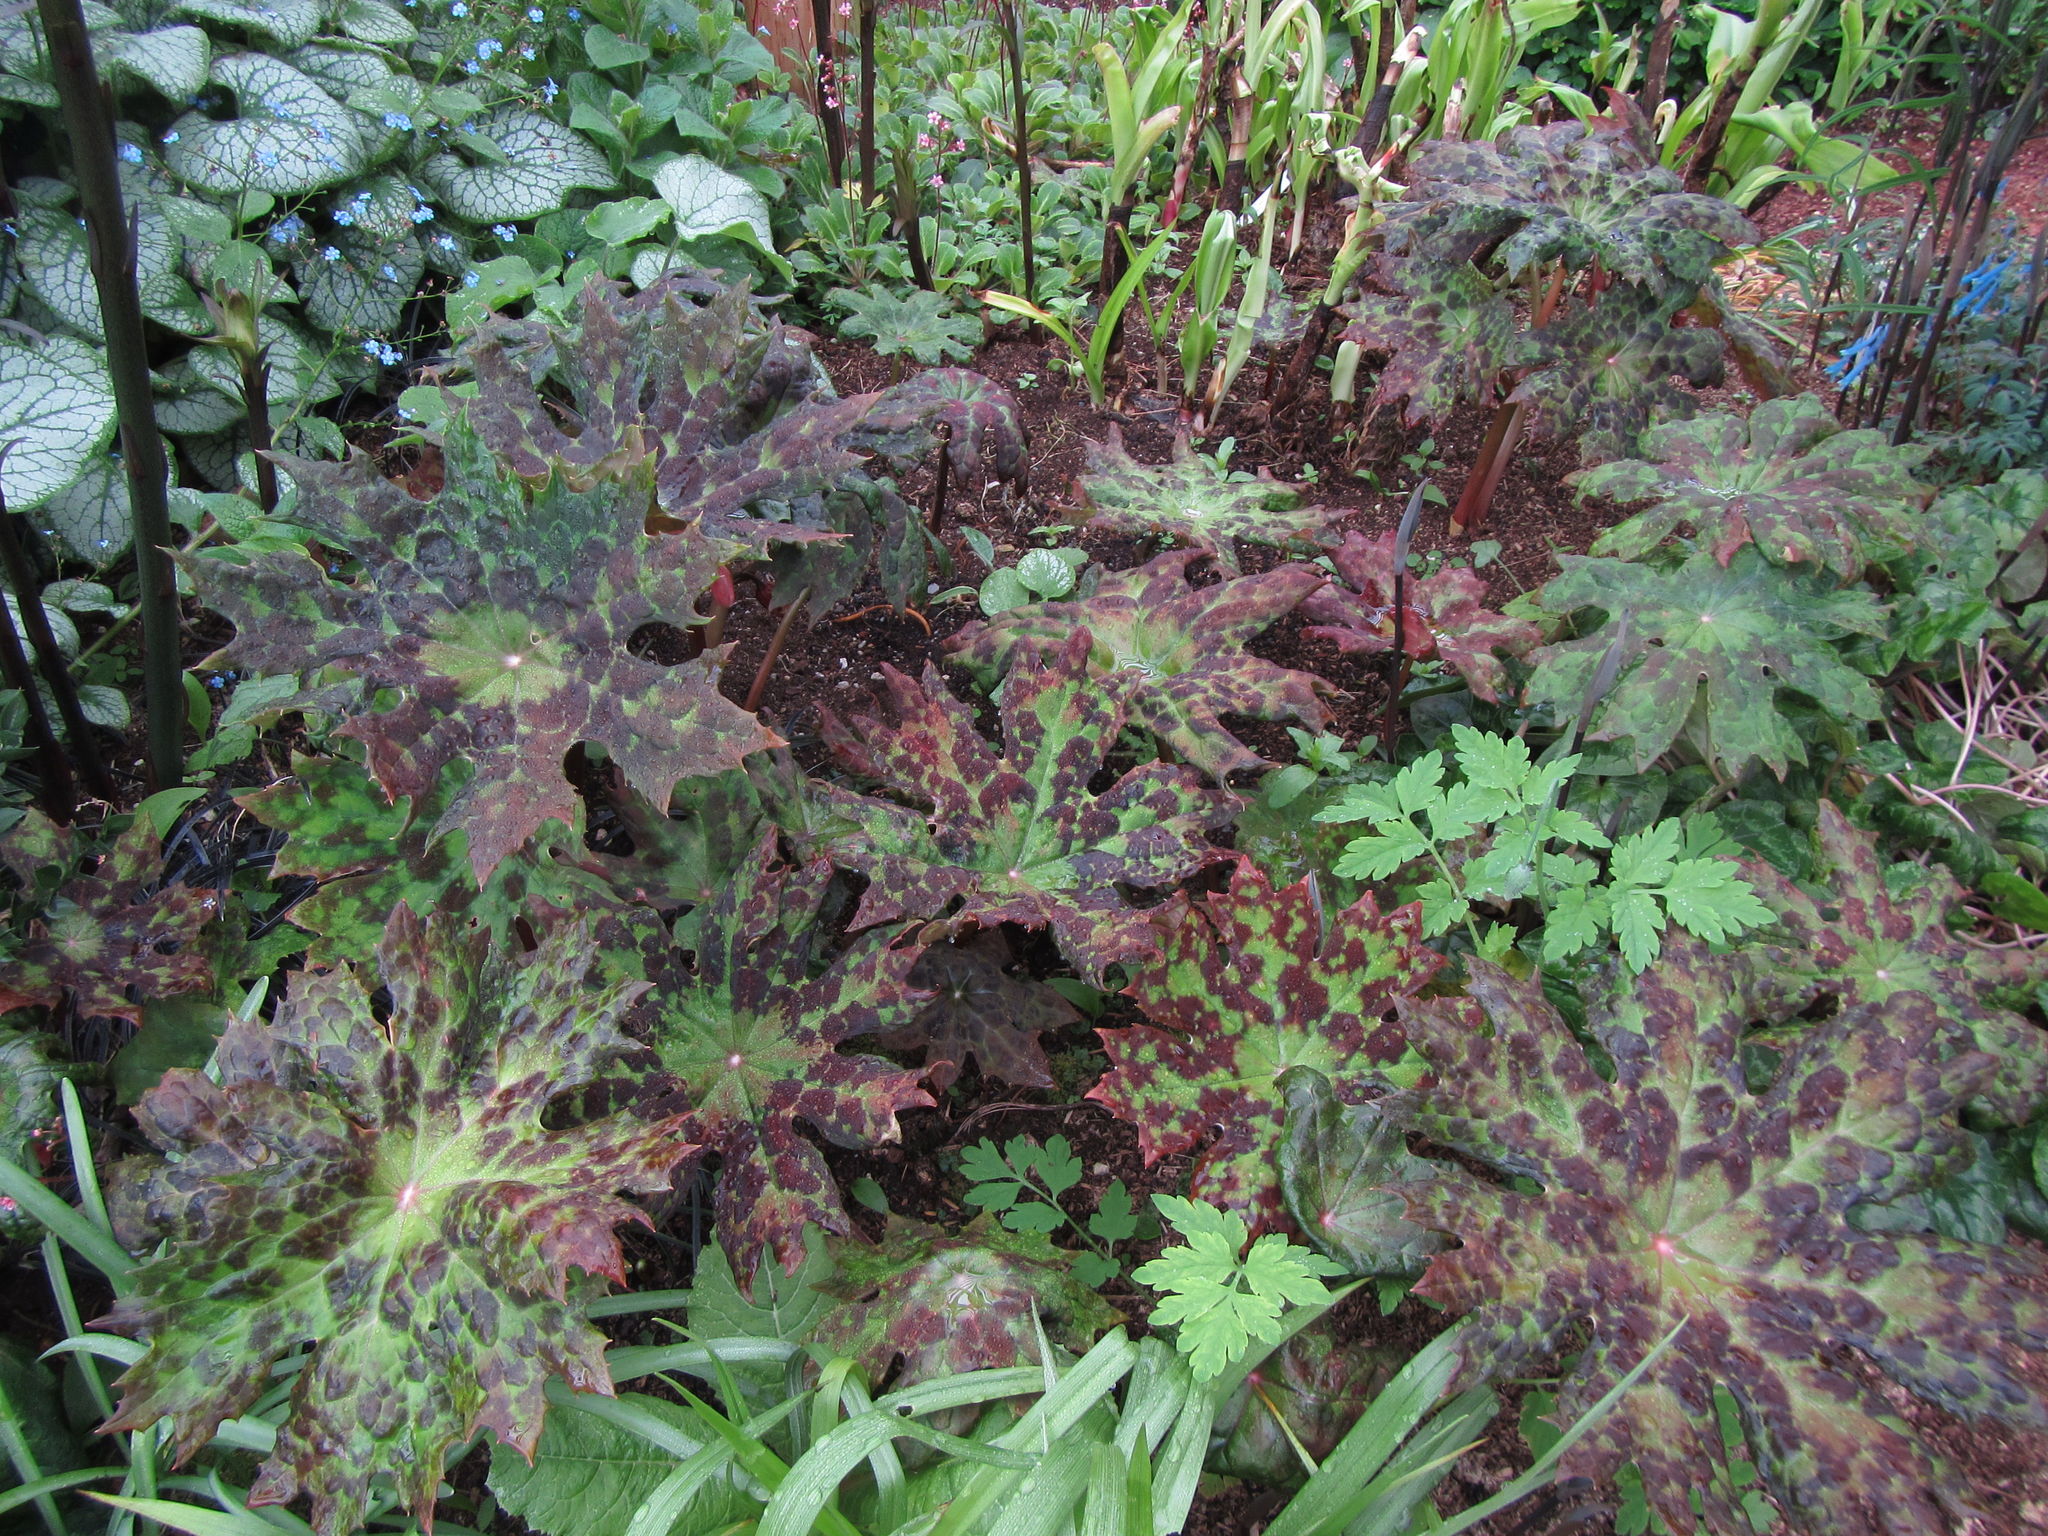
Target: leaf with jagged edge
[(589, 1476), (384, 1188), (1248, 983), (751, 1034), (1607, 370), (1191, 498), (1450, 332), (916, 323), (948, 1303), (1787, 479), (105, 931), (1844, 936), (1335, 1162), (1674, 1193), (1708, 650), (979, 1009), (1017, 837), (903, 421), (1446, 620), (1180, 649)]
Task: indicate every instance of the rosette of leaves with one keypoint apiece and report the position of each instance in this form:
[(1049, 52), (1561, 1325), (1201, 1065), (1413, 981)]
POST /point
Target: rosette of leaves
[(1447, 618), (917, 324), (1248, 983), (1196, 501), (99, 926), (1180, 648), (1675, 1193), (1708, 652), (1847, 935), (979, 415), (945, 1303), (750, 1027), (979, 1009), (1787, 479), (1017, 837), (391, 1188)]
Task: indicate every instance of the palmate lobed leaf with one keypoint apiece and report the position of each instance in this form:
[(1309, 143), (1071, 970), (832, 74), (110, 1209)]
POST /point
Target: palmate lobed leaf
[(1605, 371), (1708, 650), (1179, 649), (1017, 837), (1249, 983), (1788, 479), (1446, 618), (979, 1009), (1676, 1193), (1449, 331), (385, 1190), (750, 1029)]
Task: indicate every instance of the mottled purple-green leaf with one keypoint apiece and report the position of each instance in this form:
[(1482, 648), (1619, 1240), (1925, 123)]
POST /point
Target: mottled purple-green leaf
[(1844, 942), (1336, 1161), (110, 936), (750, 1026), (1447, 618), (1178, 647), (1017, 836), (979, 1008), (1606, 370), (981, 417), (1787, 479), (1708, 652), (1310, 1390), (1676, 1194), (1247, 983), (945, 1303), (1196, 501), (386, 1185), (1449, 331)]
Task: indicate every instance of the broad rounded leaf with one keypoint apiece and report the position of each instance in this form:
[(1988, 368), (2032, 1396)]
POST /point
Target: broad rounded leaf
[(171, 60), (55, 399), (91, 515), (287, 23), (290, 136), (709, 200), (542, 163)]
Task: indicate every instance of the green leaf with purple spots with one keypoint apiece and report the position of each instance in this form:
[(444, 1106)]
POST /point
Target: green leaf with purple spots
[(979, 416), (1449, 331), (390, 1188), (1447, 618), (1017, 837), (751, 1026), (1180, 650), (1787, 479), (1674, 1192), (1604, 372), (1248, 983), (1335, 1164)]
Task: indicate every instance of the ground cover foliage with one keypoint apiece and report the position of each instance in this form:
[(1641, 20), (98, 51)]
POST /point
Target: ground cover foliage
[(1642, 998)]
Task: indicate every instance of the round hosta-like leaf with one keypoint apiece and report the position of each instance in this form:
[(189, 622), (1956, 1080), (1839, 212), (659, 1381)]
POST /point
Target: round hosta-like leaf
[(291, 137), (170, 60), (340, 71), (91, 514), (372, 21), (390, 1188), (366, 288), (287, 23), (542, 163), (709, 200), (56, 400), (56, 262)]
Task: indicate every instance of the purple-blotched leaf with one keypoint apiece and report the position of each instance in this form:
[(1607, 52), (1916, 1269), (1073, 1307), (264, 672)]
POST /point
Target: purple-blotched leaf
[(1787, 479), (383, 1188), (979, 1009), (107, 931), (1017, 837), (751, 1028), (1450, 333), (1179, 650), (1606, 370), (1676, 1194), (903, 420), (1447, 619), (1247, 984)]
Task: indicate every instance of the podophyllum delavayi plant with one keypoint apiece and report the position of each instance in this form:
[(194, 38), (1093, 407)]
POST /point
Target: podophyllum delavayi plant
[(386, 1189)]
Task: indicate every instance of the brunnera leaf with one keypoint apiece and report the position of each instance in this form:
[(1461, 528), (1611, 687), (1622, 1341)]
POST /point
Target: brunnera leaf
[(1178, 647), (1676, 1193), (1248, 983), (751, 1026), (1446, 620), (1017, 837), (386, 1190)]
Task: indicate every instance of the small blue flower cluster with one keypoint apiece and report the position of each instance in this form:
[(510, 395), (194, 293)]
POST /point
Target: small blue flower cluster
[(383, 352)]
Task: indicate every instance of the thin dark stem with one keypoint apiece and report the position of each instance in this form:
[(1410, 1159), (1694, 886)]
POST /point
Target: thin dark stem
[(22, 577), (60, 798), (112, 241), (940, 475), (1659, 64), (775, 645), (868, 170), (256, 400), (828, 91), (1013, 41)]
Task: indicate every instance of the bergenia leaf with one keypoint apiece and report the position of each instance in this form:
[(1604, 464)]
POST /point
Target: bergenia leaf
[(979, 1009), (1018, 837), (1447, 619), (1787, 479), (1708, 650), (1248, 983), (1196, 501), (106, 933), (1677, 1194), (750, 1028), (391, 1189), (950, 1303), (1179, 648)]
